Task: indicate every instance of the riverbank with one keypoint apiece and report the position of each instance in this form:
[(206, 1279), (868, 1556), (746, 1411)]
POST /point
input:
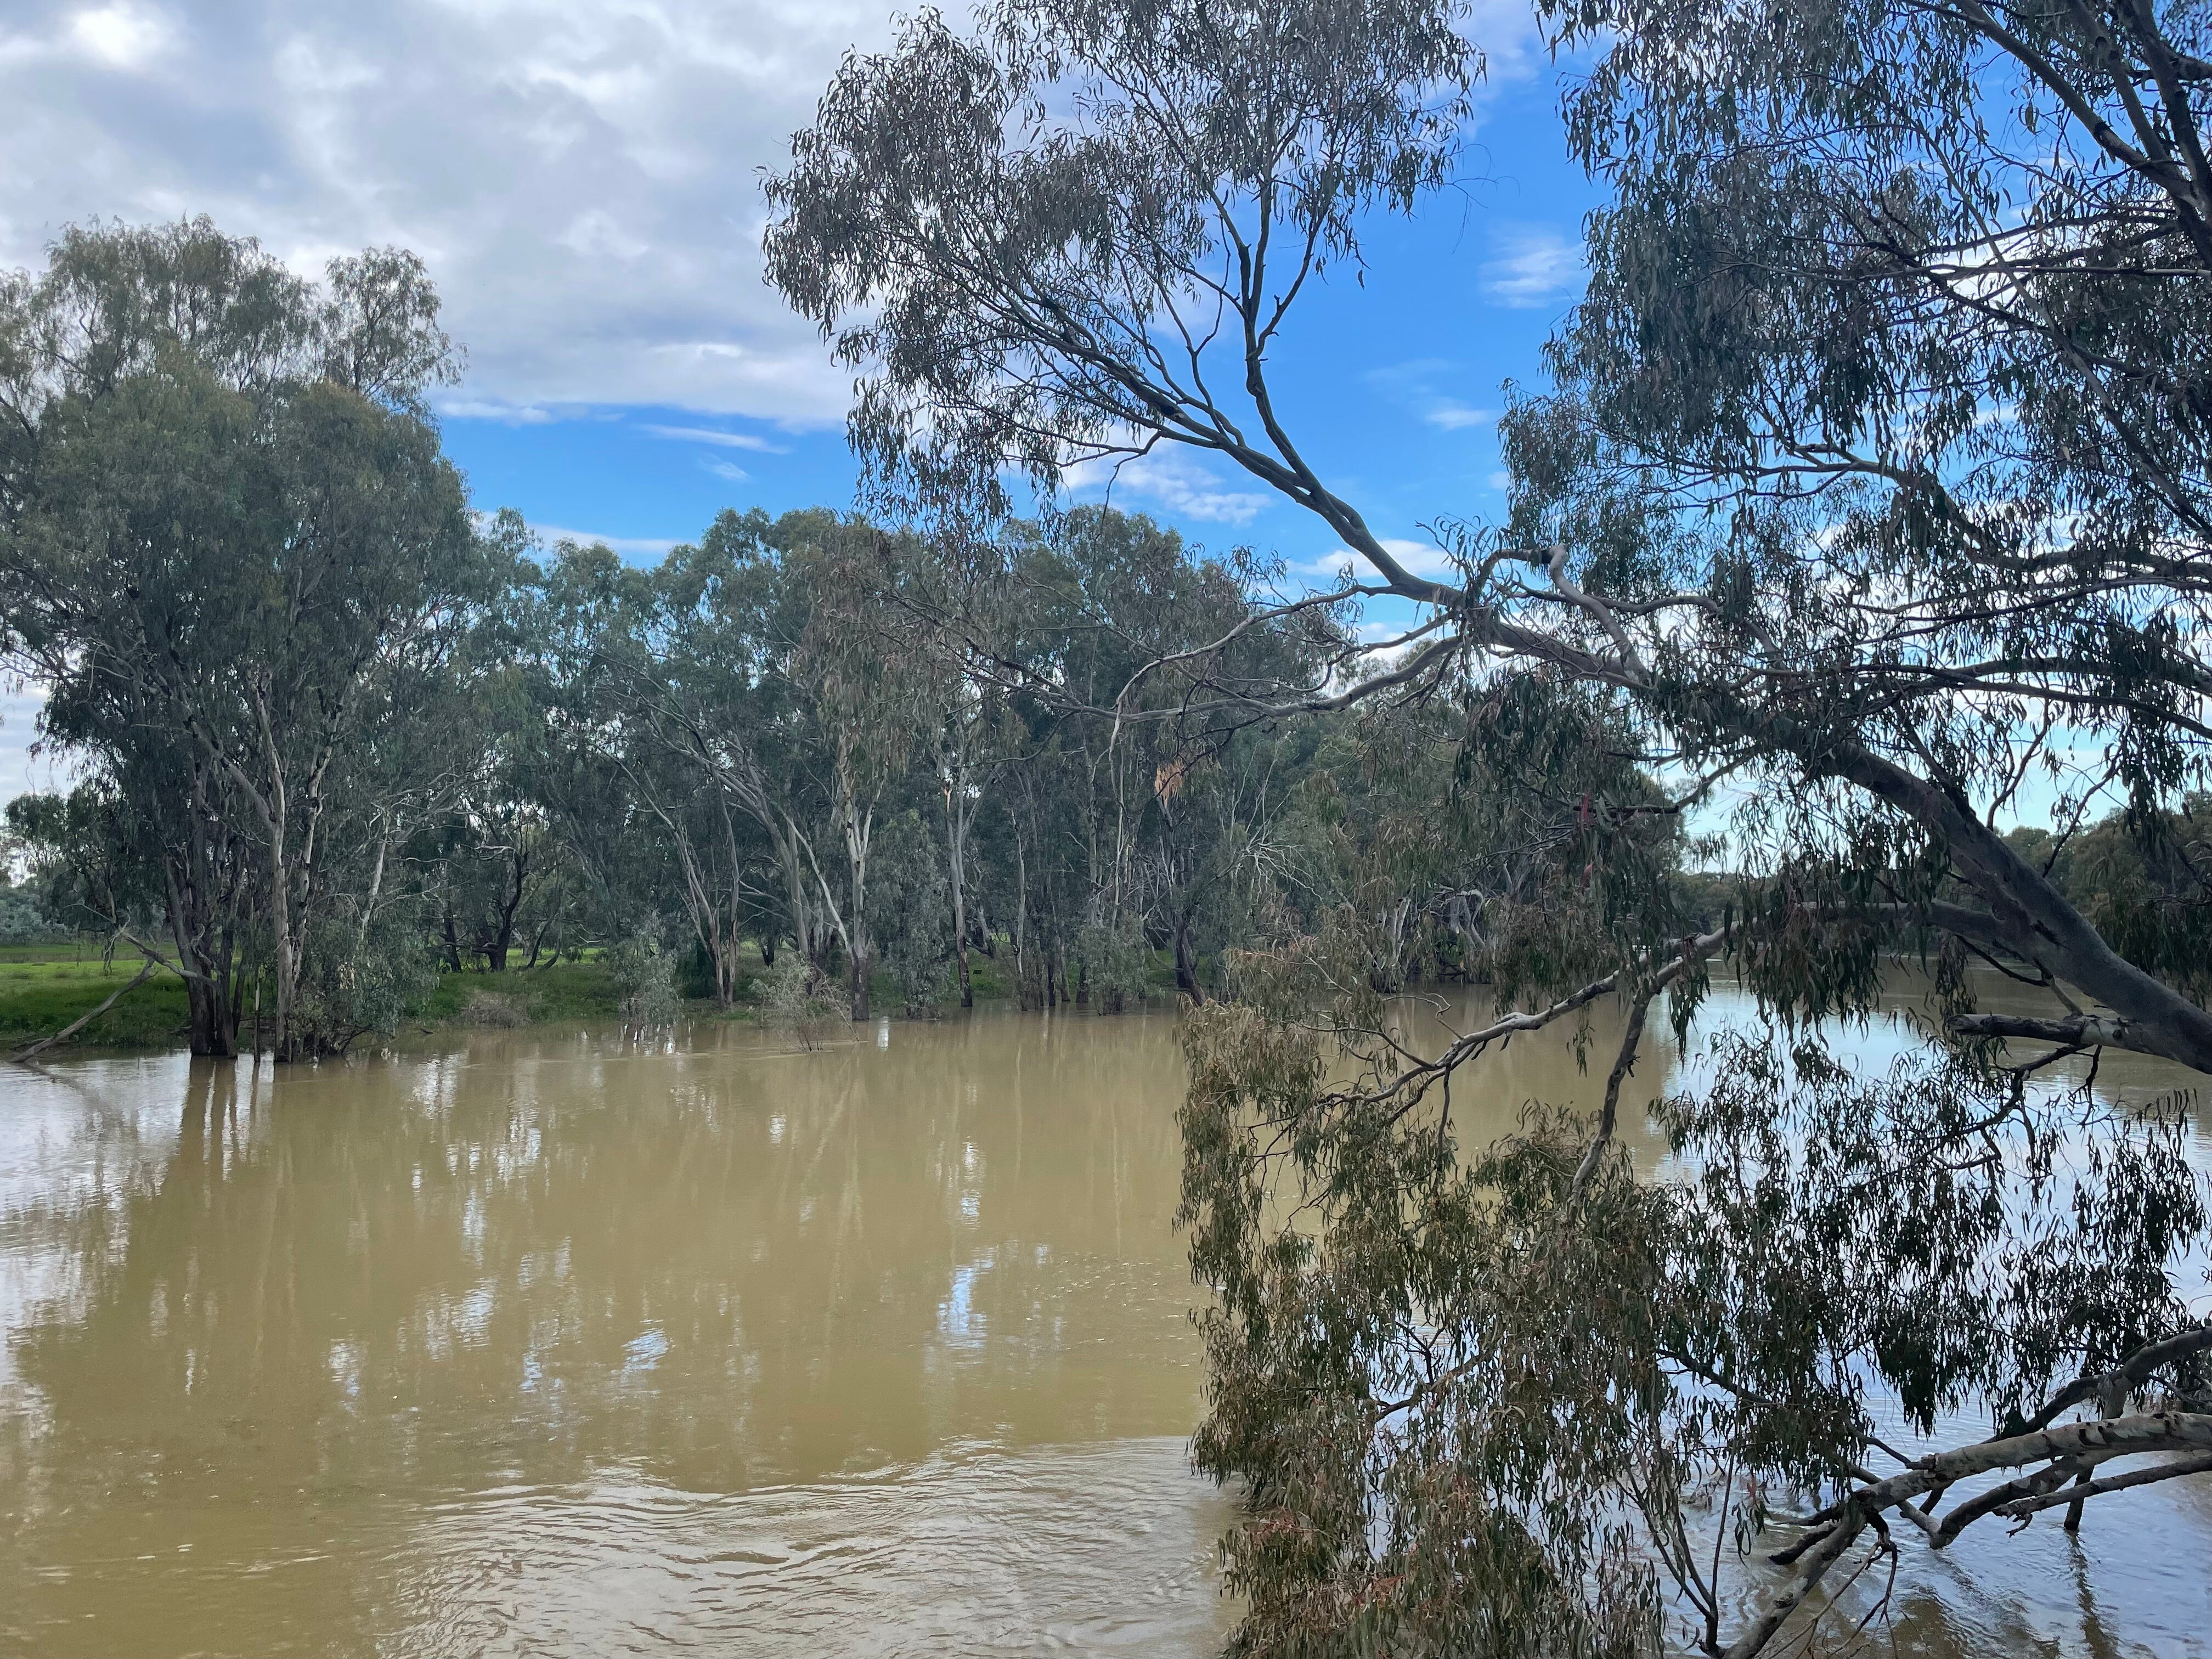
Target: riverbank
[(44, 987)]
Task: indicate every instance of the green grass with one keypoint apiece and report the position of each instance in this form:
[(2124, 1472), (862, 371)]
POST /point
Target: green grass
[(988, 978), (63, 951), (44, 987), (562, 991), (41, 996)]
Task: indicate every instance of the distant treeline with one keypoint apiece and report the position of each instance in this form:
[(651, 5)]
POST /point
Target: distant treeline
[(335, 732)]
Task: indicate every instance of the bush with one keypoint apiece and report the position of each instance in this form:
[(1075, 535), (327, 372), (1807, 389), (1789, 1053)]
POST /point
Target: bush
[(645, 976), (24, 921), (491, 1008), (793, 1001), (1115, 962), (352, 984)]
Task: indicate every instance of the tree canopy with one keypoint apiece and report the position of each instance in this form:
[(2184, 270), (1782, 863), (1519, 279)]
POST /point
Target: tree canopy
[(232, 549), (1868, 484), (1866, 495)]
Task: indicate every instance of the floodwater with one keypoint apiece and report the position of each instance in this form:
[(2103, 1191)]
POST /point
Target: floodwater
[(547, 1344)]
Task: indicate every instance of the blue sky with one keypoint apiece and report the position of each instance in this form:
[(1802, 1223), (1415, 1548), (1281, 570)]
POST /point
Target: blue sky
[(1393, 387), (582, 177)]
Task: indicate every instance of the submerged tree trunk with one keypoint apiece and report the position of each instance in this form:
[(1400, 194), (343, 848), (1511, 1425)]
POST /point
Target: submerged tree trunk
[(201, 895), (859, 830), (502, 941), (1021, 913), (214, 1023), (1186, 961), (959, 817)]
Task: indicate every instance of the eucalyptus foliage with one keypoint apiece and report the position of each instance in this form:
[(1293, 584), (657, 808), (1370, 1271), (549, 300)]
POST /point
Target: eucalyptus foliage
[(1870, 483), (232, 550)]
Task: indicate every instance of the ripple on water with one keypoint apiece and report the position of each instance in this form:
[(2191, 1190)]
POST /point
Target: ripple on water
[(555, 1347), (1096, 1549)]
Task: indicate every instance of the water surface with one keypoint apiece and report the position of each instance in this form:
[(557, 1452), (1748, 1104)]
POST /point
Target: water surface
[(547, 1344)]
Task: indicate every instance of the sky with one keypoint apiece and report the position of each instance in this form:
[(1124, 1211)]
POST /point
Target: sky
[(583, 179)]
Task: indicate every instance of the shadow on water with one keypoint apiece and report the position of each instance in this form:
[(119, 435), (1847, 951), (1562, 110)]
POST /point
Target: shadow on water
[(546, 1344)]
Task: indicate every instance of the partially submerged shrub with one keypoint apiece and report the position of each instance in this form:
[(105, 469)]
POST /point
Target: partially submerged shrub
[(493, 1009), (355, 981), (645, 974), (1114, 961), (795, 1000)]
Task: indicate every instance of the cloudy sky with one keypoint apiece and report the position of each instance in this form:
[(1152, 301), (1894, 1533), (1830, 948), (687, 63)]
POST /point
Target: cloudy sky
[(583, 178)]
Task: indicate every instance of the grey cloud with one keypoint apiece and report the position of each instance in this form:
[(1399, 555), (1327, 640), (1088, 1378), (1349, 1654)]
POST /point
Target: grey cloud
[(581, 177), (20, 771)]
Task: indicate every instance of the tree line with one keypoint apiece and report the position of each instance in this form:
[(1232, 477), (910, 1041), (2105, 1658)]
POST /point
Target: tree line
[(335, 733), (1867, 485)]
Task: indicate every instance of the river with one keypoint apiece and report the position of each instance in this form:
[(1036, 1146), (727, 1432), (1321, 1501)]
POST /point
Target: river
[(537, 1343)]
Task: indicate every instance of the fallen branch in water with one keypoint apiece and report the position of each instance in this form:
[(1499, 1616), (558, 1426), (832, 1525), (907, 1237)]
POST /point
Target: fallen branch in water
[(2022, 1508), (2066, 1451)]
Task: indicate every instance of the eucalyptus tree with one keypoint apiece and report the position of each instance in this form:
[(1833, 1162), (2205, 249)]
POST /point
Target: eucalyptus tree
[(1112, 612), (665, 723), (1873, 482), (755, 711), (966, 737), (968, 731), (231, 547), (865, 692), (571, 745)]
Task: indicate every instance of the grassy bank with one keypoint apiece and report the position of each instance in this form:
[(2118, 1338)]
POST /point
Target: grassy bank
[(522, 996), (43, 987)]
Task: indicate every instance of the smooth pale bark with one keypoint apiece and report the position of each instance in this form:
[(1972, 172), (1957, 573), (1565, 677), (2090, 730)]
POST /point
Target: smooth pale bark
[(959, 815), (2064, 1447)]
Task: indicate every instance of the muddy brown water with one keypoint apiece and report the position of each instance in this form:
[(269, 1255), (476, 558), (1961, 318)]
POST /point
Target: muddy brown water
[(542, 1343)]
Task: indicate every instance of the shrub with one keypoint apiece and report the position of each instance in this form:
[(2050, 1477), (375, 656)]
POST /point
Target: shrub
[(792, 999), (1114, 961), (645, 976)]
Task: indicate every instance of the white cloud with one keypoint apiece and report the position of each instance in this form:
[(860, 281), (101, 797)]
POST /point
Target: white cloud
[(1416, 386), (1510, 34), (1174, 478), (729, 469), (582, 178), (700, 434), (121, 37), (1532, 265), (643, 546), (490, 409), (1420, 558), (1454, 417)]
